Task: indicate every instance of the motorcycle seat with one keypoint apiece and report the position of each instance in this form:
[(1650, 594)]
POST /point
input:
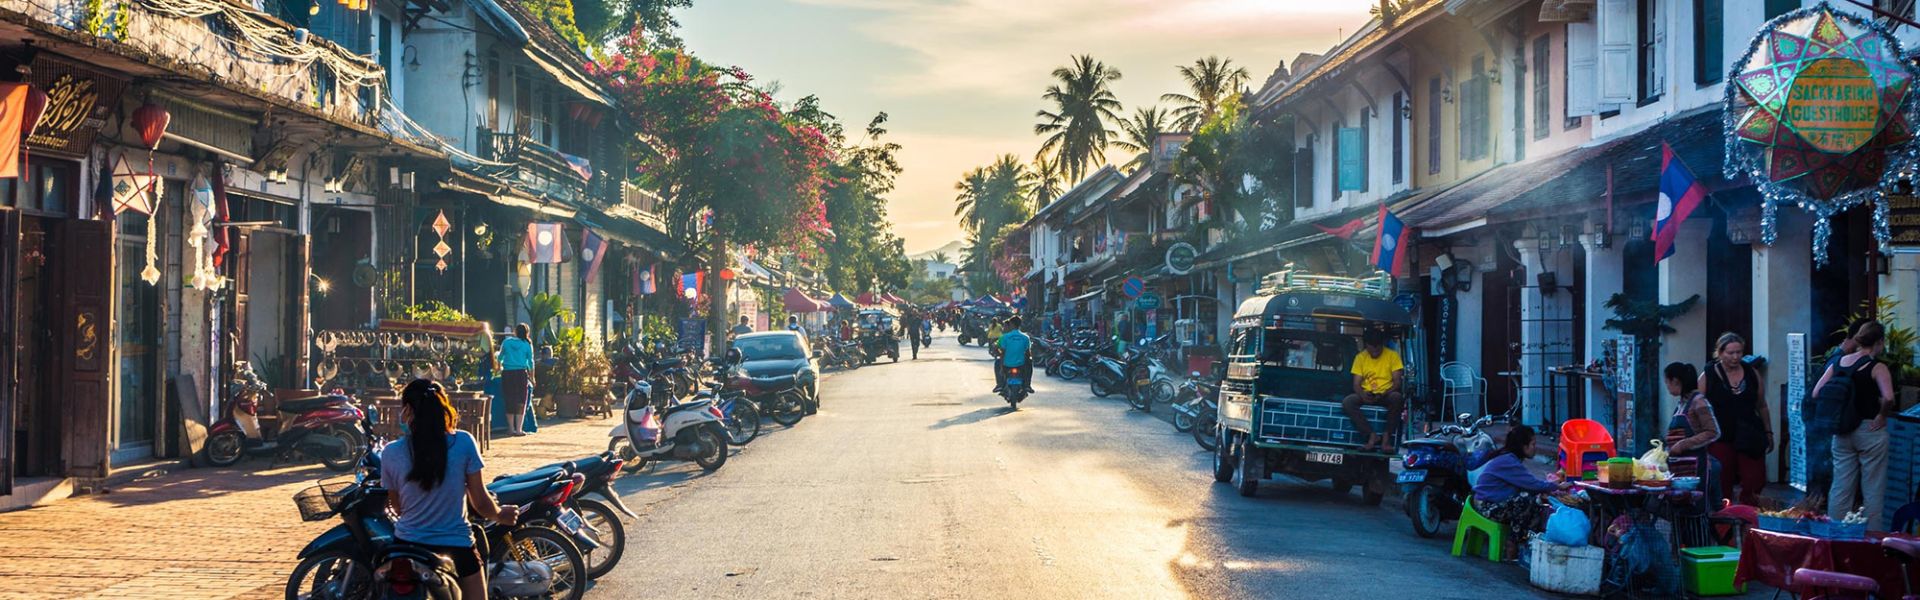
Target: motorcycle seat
[(545, 473), (683, 406), (307, 405), (433, 560), (668, 363), (522, 492)]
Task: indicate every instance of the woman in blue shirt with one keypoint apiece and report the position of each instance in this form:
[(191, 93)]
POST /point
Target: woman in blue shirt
[(1507, 493), (434, 475), (516, 363)]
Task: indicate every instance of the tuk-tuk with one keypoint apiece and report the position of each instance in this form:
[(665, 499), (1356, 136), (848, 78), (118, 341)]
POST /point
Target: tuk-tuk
[(975, 321), (1289, 357), (875, 327)]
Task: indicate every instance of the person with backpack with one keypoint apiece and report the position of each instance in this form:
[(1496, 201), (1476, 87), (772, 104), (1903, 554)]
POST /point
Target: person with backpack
[(1734, 388), (1856, 394)]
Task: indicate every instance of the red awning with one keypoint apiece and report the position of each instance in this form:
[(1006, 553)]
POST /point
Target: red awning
[(797, 302), (867, 298)]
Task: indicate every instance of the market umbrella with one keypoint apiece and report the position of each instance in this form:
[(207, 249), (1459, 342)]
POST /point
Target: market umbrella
[(839, 301), (796, 302), (867, 298), (988, 300), (892, 299)]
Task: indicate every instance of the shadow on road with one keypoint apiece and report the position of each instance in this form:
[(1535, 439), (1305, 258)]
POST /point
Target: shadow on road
[(976, 416)]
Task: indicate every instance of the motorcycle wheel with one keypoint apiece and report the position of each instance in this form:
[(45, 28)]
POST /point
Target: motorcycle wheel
[(1223, 465), (557, 551), (786, 410), (355, 447), (744, 424), (623, 450), (612, 538), (1182, 422), (334, 574), (715, 442), (226, 448), (1141, 400), (1420, 509), (1071, 370), (1099, 389), (1204, 434)]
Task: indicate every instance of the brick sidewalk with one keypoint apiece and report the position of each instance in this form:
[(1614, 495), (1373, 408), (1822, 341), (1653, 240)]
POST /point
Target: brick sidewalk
[(204, 533)]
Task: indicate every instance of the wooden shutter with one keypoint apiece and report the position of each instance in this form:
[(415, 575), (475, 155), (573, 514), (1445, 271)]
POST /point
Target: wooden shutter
[(1542, 76), (9, 320), (1616, 22), (1399, 132), (85, 330), (1433, 126), (1583, 71), (1709, 35), (1366, 148), (299, 292), (1653, 63)]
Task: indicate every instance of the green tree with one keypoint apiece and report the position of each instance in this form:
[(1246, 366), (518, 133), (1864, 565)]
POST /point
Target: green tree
[(1140, 129), (1228, 152), (1046, 182), (559, 15), (1210, 82), (993, 199), (602, 21), (1076, 125)]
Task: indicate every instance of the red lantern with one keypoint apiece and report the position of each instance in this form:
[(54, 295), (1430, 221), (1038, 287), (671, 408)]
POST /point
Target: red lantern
[(726, 274), (30, 117), (151, 121)]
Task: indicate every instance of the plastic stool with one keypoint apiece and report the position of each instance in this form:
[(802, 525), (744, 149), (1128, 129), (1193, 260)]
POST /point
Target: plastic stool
[(1474, 532), (1583, 444)]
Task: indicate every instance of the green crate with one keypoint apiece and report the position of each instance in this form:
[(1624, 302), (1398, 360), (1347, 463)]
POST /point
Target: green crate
[(1708, 571)]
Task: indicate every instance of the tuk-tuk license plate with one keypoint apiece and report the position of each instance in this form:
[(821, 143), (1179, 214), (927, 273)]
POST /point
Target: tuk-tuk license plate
[(1331, 458), (1142, 382), (1413, 476)]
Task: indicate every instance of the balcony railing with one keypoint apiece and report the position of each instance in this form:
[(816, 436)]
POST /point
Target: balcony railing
[(225, 43), (538, 169)]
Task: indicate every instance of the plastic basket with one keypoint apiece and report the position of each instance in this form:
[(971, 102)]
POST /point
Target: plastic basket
[(1785, 525), (321, 501), (1838, 531)]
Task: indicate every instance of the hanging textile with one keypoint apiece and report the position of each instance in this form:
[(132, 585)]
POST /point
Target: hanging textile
[(151, 274), (200, 209), (13, 110), (220, 215)]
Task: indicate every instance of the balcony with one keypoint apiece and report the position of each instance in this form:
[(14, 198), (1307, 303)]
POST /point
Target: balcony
[(538, 169), (229, 45)]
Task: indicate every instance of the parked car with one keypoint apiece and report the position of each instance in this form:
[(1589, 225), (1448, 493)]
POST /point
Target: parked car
[(771, 354)]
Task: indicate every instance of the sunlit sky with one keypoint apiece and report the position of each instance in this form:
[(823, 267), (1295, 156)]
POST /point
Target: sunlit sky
[(961, 79)]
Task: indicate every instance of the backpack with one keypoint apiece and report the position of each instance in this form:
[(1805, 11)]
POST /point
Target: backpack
[(1836, 398)]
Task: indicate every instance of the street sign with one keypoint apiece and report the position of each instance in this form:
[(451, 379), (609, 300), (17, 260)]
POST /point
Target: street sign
[(1180, 258), (1148, 301), (1133, 286)]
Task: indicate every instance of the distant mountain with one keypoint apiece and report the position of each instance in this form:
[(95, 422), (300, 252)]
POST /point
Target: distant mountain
[(952, 250)]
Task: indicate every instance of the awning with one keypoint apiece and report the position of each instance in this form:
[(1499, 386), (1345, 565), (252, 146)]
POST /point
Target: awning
[(1088, 295), (567, 77), (796, 302), (839, 301), (867, 298)]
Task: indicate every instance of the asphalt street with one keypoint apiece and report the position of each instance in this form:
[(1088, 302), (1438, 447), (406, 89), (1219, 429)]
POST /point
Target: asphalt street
[(915, 482)]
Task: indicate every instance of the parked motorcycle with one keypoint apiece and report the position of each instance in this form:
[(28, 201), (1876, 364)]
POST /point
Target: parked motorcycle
[(1150, 382), (1435, 470), (1196, 409), (692, 431), (597, 513), (325, 428)]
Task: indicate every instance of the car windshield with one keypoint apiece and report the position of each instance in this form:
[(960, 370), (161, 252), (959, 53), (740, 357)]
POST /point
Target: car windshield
[(773, 347)]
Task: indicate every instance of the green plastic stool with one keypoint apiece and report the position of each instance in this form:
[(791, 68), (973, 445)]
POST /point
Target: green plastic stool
[(1475, 533)]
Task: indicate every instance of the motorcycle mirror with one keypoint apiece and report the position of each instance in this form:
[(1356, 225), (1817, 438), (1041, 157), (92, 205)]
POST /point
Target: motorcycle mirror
[(1193, 373), (1465, 417)]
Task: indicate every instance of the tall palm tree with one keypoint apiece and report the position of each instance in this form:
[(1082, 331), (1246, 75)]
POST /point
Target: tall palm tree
[(940, 257), (1083, 105), (1210, 80), (1011, 185), (971, 204), (1046, 181), (1140, 129)]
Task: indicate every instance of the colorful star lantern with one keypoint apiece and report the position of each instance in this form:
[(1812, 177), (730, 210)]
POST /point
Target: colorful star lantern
[(441, 225), (1817, 110)]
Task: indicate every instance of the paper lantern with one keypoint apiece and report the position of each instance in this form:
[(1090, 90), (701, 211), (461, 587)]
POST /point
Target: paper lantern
[(151, 121), (30, 114), (726, 274)]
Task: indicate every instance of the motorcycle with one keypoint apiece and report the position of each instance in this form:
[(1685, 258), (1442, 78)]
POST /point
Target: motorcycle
[(1196, 409), (691, 431), (742, 414), (324, 428), (1018, 386), (599, 520), (1435, 467), (1074, 362), (1150, 382)]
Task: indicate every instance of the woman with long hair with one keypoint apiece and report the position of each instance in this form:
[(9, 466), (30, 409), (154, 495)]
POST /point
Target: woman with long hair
[(516, 383), (1507, 492), (434, 474), (1692, 428), (1736, 392)]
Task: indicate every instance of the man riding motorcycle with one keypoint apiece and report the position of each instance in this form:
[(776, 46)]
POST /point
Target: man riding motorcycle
[(1010, 351)]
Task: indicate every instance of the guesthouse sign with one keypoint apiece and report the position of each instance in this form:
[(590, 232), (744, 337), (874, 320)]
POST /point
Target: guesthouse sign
[(78, 102), (1834, 105)]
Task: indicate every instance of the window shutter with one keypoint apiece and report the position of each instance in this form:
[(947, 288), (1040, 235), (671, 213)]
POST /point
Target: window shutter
[(1366, 148), (1656, 57), (1433, 126), (1399, 131), (1776, 8), (1542, 75), (1583, 74), (1709, 33), (1303, 175), (1616, 22)]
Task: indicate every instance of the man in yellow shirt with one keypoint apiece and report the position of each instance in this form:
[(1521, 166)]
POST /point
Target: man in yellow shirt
[(1377, 373)]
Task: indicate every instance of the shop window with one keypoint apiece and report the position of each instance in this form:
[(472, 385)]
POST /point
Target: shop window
[(52, 187)]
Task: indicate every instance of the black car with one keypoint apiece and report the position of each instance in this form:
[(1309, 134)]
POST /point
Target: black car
[(771, 354)]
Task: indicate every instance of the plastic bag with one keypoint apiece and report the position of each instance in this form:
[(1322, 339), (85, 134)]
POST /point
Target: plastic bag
[(1568, 526), (1657, 455), (1652, 466)]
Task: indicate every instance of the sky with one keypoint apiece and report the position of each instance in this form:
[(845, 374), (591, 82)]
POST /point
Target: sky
[(960, 80)]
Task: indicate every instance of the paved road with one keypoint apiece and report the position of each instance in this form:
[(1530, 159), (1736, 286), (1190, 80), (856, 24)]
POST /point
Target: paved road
[(914, 482)]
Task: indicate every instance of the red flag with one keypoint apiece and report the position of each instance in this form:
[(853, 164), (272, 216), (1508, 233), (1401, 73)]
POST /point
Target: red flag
[(220, 215), (1680, 193), (1344, 232)]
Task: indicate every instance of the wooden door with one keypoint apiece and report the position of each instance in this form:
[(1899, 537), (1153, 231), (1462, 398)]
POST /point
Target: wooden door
[(86, 310), (297, 289), (9, 320), (242, 277)]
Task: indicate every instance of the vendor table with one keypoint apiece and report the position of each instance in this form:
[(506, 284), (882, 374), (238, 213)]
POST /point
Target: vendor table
[(1685, 510), (1769, 557)]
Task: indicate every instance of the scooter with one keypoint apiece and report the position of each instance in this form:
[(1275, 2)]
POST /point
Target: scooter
[(1150, 382), (1196, 409), (1018, 385), (692, 431), (1435, 470), (324, 428), (597, 517)]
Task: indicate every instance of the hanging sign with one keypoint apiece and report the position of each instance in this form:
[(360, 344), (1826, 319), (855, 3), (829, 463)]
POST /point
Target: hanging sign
[(1796, 427), (78, 102), (1817, 113), (1148, 301), (1180, 257), (1903, 223)]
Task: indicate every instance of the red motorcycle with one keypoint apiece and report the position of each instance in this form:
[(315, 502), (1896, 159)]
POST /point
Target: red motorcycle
[(325, 428)]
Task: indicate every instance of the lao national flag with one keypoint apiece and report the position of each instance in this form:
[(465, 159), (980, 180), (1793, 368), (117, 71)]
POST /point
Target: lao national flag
[(690, 282), (1392, 241), (544, 243), (593, 248), (643, 280), (1680, 193)]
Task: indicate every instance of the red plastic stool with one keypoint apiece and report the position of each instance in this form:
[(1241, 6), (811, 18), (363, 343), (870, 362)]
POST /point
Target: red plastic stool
[(1832, 586)]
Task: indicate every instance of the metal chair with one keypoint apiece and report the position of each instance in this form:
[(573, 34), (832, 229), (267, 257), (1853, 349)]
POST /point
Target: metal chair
[(1463, 390)]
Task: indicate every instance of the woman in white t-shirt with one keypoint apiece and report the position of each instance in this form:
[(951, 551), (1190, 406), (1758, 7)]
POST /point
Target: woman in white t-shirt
[(434, 474)]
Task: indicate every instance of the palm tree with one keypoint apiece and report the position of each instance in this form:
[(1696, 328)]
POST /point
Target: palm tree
[(1083, 104), (1211, 80), (1011, 185), (940, 257), (1140, 129), (1046, 181), (970, 205)]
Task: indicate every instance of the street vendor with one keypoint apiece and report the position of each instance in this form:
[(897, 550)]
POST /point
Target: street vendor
[(1691, 429), (1509, 494)]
